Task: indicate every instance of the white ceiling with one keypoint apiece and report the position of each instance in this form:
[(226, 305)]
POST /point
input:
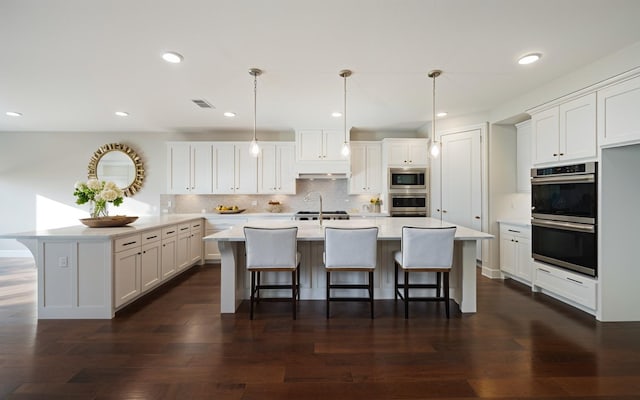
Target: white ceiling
[(68, 65)]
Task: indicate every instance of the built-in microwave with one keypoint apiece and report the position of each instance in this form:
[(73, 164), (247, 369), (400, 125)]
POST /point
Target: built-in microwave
[(403, 179)]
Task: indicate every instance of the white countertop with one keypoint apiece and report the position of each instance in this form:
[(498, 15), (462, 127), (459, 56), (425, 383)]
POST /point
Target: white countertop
[(389, 228), (518, 222), (82, 232)]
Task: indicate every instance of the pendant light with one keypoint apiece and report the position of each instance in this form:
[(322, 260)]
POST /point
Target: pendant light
[(345, 73), (435, 145), (254, 149)]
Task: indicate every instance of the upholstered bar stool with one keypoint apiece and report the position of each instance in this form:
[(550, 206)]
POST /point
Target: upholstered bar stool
[(424, 250), (272, 250), (352, 250)]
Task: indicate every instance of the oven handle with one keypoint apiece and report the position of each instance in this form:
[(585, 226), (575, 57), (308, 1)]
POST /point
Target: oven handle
[(564, 225), (590, 178)]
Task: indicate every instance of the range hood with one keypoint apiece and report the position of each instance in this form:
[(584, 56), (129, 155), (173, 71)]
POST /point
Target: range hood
[(311, 175)]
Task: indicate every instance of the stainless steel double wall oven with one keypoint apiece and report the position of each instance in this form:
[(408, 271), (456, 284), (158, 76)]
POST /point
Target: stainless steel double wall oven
[(564, 207), (408, 192)]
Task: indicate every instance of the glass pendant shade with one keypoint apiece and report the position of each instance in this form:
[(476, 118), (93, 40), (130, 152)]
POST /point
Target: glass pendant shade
[(346, 149)]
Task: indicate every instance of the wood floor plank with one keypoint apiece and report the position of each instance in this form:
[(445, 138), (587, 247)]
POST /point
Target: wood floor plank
[(173, 344)]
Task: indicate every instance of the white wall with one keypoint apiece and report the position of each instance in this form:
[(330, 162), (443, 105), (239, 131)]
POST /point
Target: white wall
[(38, 171)]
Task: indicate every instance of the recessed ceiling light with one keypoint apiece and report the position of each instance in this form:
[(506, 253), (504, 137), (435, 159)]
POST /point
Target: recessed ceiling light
[(13, 114), (122, 113), (529, 58), (229, 114), (172, 57), (336, 114), (441, 114)]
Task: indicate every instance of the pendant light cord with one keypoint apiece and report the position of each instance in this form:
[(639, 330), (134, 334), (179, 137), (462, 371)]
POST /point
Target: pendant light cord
[(255, 104)]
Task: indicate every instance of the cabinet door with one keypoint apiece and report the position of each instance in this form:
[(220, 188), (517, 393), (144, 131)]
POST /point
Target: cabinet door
[(183, 255), (508, 258), (578, 128), (310, 144), (418, 152), (374, 168), (333, 141), (524, 260), (225, 170), (523, 157), (195, 244), (546, 131), (358, 179), (618, 116), (168, 257), (285, 169), (179, 168), (398, 154), (201, 168), (267, 169), (461, 179), (246, 170), (151, 273), (127, 275)]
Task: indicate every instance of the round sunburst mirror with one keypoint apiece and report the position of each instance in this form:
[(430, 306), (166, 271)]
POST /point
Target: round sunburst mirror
[(118, 163)]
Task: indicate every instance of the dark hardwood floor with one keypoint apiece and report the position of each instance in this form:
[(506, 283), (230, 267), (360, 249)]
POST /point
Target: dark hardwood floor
[(174, 344)]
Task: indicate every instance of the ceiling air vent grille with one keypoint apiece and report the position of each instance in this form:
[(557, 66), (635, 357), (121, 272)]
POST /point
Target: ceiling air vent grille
[(202, 103)]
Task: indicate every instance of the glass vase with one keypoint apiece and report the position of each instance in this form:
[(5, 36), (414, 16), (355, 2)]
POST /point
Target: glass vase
[(98, 209)]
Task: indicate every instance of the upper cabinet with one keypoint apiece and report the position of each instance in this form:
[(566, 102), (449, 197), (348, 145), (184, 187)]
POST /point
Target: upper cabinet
[(276, 168), (407, 152), (618, 116), (189, 167), (366, 168), (319, 145), (566, 132), (236, 170), (523, 157)]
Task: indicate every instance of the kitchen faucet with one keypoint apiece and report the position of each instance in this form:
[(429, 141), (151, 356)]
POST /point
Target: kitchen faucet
[(306, 198)]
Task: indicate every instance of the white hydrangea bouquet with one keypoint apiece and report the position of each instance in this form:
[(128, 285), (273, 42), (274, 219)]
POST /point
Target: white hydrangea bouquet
[(98, 194)]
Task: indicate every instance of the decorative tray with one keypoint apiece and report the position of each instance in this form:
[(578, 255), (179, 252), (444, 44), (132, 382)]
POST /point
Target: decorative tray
[(106, 222), (231, 211)]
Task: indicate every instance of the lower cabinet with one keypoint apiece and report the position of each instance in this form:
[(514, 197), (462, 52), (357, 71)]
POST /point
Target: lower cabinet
[(143, 260), (515, 252), (579, 289)]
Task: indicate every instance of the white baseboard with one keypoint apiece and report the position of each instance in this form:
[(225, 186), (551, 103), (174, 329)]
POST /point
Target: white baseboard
[(491, 273)]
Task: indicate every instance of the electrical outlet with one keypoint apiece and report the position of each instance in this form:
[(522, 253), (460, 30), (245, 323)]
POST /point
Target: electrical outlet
[(63, 262)]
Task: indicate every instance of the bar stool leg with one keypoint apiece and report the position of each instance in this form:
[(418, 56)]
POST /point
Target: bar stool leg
[(328, 291), (446, 293), (438, 286), (395, 282), (371, 291), (293, 293), (406, 294), (252, 297)]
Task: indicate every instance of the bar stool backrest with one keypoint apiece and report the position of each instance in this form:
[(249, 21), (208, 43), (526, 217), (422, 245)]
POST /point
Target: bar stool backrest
[(427, 247), (350, 247), (271, 247)]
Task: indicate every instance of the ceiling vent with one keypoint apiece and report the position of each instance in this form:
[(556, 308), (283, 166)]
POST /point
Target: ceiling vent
[(202, 103)]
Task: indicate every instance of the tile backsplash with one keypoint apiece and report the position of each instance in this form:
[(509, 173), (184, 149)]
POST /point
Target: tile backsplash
[(334, 197)]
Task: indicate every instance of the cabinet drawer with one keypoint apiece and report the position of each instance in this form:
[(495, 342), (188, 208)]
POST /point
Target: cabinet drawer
[(151, 236), (515, 230), (574, 287), (196, 225), (127, 242), (169, 231), (184, 229)]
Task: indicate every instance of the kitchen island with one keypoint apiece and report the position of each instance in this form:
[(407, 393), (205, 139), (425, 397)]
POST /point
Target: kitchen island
[(234, 287), (93, 272)]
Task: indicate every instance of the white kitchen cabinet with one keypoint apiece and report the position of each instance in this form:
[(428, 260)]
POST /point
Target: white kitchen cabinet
[(150, 268), (407, 152), (366, 168), (618, 116), (169, 250), (183, 248), (319, 145), (523, 157), (195, 243), (276, 168), (578, 289), (189, 168), (515, 252), (236, 170), (566, 132), (127, 265)]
